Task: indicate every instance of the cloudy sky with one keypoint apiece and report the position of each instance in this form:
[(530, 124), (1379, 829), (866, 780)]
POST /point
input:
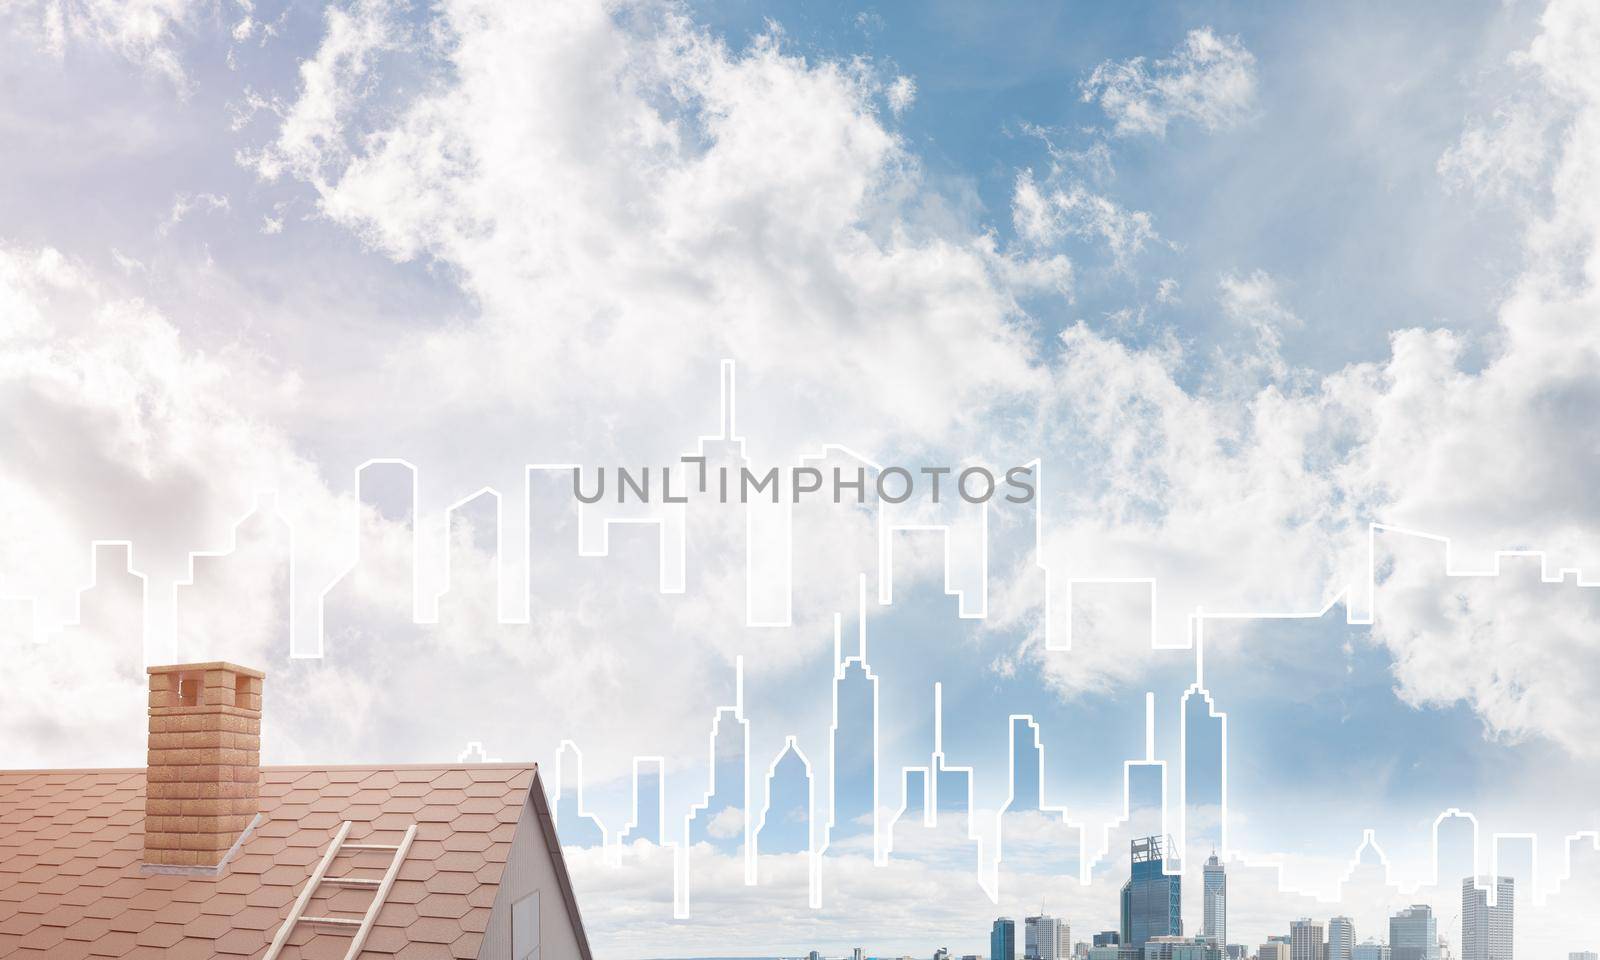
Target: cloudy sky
[(1244, 281)]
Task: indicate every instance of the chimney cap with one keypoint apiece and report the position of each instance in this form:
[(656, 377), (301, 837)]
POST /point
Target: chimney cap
[(209, 665)]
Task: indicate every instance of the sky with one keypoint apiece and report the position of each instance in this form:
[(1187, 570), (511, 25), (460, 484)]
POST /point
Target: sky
[(302, 306)]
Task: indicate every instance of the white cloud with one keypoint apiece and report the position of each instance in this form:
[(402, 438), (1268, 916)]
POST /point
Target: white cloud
[(670, 200), (1044, 216), (1523, 653), (146, 32), (1210, 79), (901, 94), (113, 428), (1496, 455), (729, 822), (1498, 156), (185, 203), (884, 909), (333, 83)]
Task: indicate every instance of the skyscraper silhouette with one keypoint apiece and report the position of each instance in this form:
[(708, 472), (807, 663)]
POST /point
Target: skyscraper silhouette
[(855, 753)]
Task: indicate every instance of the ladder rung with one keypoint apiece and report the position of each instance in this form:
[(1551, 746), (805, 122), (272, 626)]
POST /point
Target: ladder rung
[(359, 929), (332, 921), (351, 881)]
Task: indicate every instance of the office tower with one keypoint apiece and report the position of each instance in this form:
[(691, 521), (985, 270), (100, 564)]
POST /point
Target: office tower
[(1215, 925), (943, 953), (1486, 929), (1306, 941), (1152, 899), (1413, 935), (1181, 948), (1003, 939), (1371, 950), (1044, 938), (1125, 931), (1107, 938), (1341, 939), (1276, 948), (858, 954)]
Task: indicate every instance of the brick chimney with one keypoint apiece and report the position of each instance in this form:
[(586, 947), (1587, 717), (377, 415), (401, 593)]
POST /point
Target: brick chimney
[(202, 786)]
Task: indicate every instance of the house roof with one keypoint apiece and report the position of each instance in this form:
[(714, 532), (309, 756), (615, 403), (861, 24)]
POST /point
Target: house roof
[(71, 883)]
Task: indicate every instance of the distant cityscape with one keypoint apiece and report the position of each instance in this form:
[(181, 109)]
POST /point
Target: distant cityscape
[(1152, 926)]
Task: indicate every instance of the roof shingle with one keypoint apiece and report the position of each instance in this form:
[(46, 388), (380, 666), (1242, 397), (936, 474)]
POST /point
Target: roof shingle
[(71, 883)]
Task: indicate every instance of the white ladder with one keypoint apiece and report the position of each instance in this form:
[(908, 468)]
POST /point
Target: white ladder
[(319, 876)]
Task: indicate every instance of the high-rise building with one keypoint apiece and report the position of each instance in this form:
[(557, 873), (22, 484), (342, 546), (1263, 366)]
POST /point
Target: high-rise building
[(1045, 938), (1152, 899), (1003, 939), (1276, 948), (1486, 928), (1107, 938), (1306, 940), (1181, 948), (1125, 932), (1413, 934), (1341, 939), (1371, 949), (858, 954), (1215, 923)]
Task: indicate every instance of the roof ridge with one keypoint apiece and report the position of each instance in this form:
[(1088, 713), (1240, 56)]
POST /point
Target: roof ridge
[(503, 765)]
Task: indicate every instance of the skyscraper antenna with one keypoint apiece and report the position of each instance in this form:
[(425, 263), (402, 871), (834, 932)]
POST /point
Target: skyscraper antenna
[(1149, 726), (861, 619), (727, 400)]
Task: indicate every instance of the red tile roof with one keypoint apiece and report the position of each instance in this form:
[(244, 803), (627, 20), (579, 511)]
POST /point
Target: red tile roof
[(71, 885)]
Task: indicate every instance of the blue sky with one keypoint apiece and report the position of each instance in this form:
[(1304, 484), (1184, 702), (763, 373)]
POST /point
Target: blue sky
[(1356, 106), (1243, 279)]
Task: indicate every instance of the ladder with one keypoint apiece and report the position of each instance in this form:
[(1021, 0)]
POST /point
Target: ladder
[(362, 927)]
